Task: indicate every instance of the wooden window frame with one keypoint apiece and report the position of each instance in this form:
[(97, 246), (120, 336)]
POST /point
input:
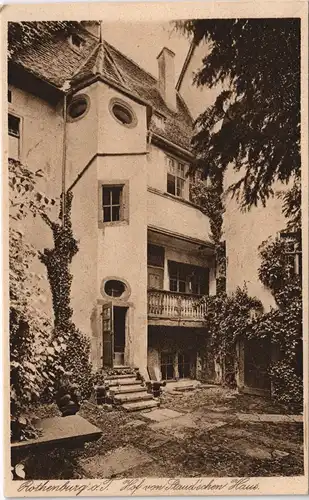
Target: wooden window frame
[(185, 190), (177, 278), (19, 124), (19, 137), (295, 253), (183, 364), (124, 202), (166, 364), (152, 264)]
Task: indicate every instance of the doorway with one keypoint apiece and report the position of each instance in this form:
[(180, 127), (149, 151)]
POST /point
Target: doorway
[(114, 334), (167, 365), (184, 365), (257, 358), (119, 334), (177, 365)]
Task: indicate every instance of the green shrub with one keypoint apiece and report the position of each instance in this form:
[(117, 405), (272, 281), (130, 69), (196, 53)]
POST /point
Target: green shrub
[(75, 357), (32, 354), (283, 324), (287, 387), (228, 319), (76, 361)]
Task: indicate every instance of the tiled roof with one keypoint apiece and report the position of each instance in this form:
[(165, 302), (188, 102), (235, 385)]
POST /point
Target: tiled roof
[(97, 63), (53, 59)]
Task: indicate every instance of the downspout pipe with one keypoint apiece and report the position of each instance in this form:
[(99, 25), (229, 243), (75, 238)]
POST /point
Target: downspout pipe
[(66, 88)]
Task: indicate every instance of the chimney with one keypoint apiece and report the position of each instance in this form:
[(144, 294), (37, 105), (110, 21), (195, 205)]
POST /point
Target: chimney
[(92, 26), (167, 77)]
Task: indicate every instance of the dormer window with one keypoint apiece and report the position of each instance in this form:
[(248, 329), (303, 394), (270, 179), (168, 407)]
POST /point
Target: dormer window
[(158, 121), (76, 41)]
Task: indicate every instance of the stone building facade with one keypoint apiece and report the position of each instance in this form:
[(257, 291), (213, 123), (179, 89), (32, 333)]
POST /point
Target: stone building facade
[(102, 127), (119, 139)]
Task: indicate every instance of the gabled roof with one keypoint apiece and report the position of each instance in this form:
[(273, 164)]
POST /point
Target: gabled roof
[(52, 58), (186, 64)]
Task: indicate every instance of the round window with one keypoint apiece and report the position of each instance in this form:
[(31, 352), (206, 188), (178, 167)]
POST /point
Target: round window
[(114, 288), (78, 107), (123, 113)]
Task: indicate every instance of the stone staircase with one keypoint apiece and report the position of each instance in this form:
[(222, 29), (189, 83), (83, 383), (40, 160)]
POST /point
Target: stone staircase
[(129, 392)]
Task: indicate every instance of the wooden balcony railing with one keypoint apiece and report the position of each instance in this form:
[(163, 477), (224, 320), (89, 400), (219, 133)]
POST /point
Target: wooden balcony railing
[(173, 305)]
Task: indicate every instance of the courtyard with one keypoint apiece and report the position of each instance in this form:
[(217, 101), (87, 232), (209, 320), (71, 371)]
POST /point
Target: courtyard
[(210, 431)]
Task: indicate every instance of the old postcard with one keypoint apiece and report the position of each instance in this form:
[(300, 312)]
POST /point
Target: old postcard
[(155, 180)]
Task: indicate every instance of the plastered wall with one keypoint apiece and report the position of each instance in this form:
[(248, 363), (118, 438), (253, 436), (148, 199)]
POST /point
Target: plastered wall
[(41, 133), (243, 232)]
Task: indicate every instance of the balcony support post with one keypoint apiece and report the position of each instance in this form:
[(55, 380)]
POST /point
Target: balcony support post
[(179, 300)]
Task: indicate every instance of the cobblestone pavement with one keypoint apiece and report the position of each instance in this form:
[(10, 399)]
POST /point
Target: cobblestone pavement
[(209, 432), (205, 432)]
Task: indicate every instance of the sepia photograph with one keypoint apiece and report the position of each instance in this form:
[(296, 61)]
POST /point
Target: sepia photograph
[(156, 229)]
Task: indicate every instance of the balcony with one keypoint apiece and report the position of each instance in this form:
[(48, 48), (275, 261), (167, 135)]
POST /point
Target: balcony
[(170, 308)]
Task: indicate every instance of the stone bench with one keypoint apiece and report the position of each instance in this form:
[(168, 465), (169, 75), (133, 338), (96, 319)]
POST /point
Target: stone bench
[(57, 432)]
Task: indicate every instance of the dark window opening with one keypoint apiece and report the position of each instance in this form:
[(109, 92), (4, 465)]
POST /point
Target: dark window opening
[(114, 288), (293, 252), (78, 107), (112, 203), (122, 114), (167, 366), (14, 125), (155, 256), (176, 178), (77, 41), (185, 278), (9, 95), (184, 365)]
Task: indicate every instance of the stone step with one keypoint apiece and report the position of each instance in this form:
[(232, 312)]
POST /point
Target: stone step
[(126, 389), (123, 382), (120, 377), (185, 388), (140, 405), (133, 396)]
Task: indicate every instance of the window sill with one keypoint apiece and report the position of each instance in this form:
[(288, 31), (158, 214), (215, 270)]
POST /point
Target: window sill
[(174, 198), (120, 223)]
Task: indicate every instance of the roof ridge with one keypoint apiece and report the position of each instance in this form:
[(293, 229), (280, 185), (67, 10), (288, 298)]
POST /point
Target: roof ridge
[(110, 57), (186, 64), (184, 104), (87, 32), (133, 62)]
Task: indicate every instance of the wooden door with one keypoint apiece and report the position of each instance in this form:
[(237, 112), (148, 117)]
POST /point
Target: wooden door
[(108, 335), (257, 357), (155, 278)]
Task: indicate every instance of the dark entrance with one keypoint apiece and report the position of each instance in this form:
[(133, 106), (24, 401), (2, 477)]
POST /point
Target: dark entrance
[(108, 334), (167, 365), (119, 334), (114, 333), (257, 357), (184, 365), (176, 365)]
